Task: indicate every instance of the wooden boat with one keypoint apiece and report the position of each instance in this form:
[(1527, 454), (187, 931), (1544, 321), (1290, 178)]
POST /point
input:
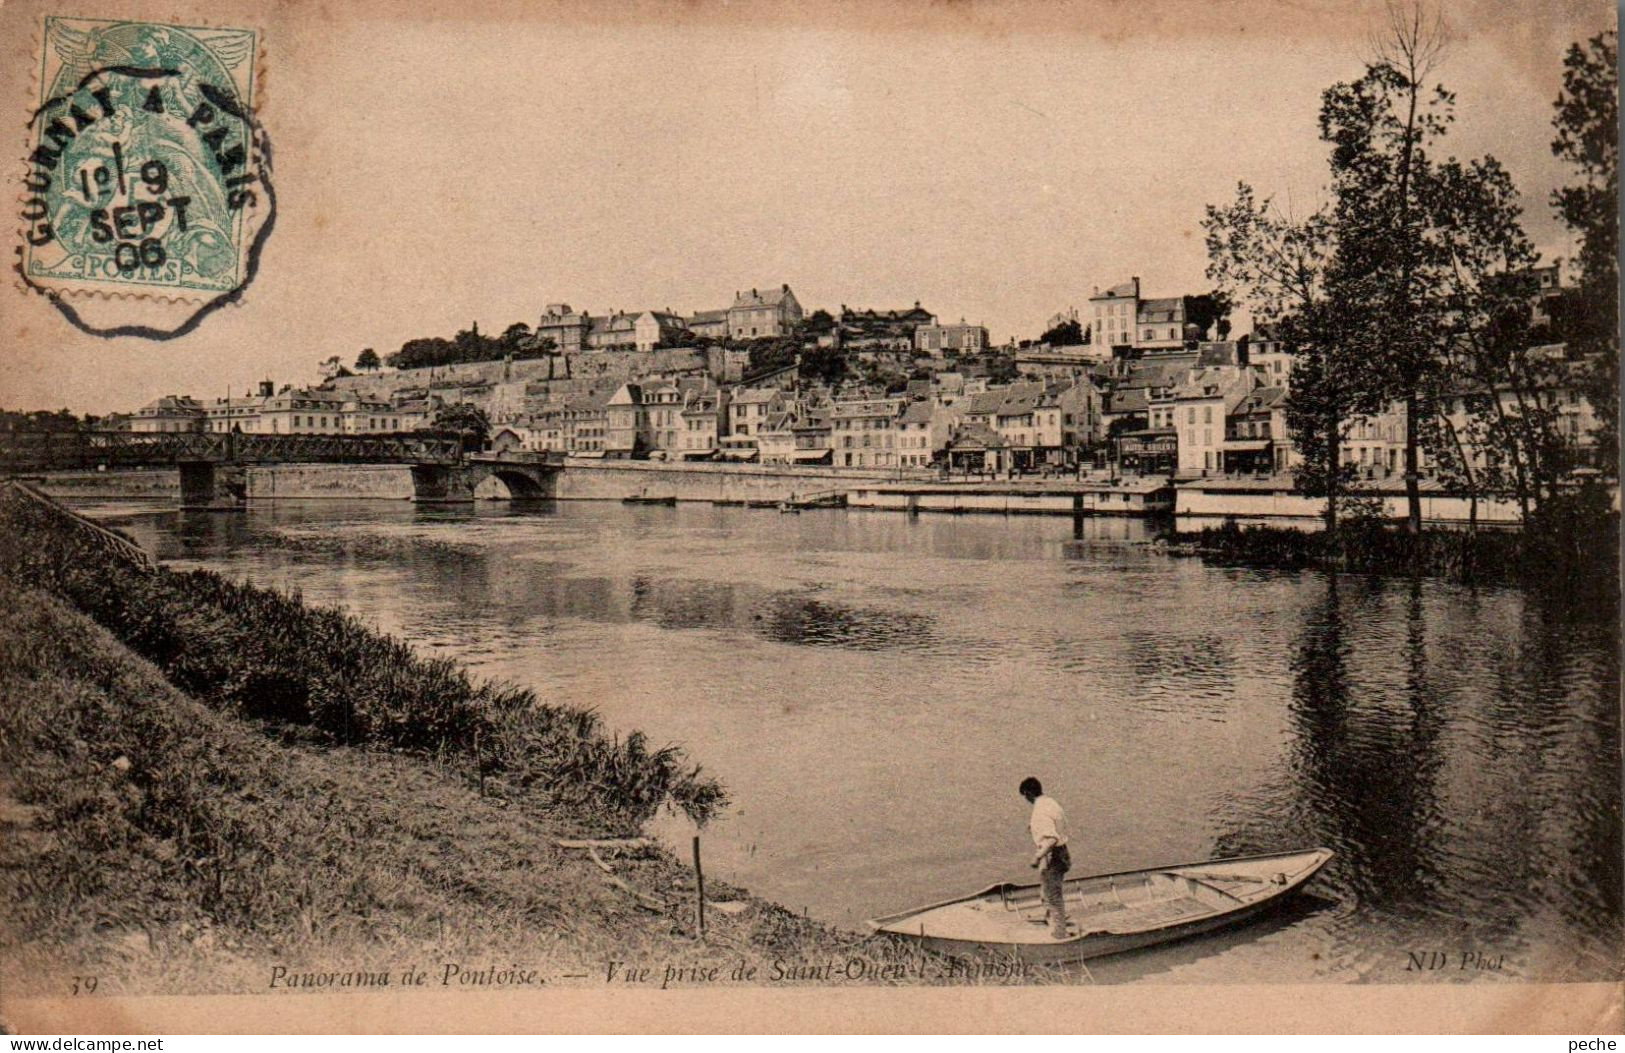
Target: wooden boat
[(1110, 913), (825, 499), (645, 499)]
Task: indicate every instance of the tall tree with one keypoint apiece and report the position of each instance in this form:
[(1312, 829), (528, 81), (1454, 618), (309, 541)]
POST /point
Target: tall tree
[(1381, 128), (1205, 312), (332, 368), (516, 337), (1066, 334), (1277, 264), (422, 351), (1487, 417), (1587, 124), (368, 360)]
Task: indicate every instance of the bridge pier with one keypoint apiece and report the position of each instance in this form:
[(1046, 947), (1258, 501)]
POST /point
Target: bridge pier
[(213, 487), (441, 484)]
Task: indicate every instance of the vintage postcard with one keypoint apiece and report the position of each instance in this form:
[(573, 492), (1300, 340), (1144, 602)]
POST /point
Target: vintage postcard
[(875, 516)]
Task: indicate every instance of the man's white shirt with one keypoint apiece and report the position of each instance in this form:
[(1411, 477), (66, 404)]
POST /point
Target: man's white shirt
[(1048, 821)]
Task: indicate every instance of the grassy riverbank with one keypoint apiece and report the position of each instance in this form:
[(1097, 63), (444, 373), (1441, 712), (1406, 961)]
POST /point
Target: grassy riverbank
[(185, 808), (266, 655)]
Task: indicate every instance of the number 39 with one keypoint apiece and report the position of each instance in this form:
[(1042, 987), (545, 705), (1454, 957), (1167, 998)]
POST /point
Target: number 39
[(84, 985)]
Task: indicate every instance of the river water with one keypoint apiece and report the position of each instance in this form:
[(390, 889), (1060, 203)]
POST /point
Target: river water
[(871, 688)]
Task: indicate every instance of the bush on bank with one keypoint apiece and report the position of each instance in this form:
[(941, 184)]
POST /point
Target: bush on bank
[(267, 655), (1571, 545), (169, 848)]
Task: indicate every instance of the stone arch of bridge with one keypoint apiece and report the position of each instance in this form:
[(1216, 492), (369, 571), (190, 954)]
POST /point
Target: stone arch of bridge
[(455, 484), (523, 485)]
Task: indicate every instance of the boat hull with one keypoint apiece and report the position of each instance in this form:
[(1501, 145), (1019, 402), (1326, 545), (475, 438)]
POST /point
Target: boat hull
[(1099, 945), (1254, 886)]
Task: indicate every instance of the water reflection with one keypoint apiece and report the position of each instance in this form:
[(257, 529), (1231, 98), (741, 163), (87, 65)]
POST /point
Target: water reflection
[(807, 620), (871, 687), (1469, 790), (1365, 773)]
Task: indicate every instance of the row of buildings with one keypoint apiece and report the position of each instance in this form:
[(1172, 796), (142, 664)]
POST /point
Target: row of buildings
[(291, 411), (947, 419), (756, 314), (1151, 396)]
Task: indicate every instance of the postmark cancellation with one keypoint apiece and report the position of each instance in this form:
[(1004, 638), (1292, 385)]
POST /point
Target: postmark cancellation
[(146, 171)]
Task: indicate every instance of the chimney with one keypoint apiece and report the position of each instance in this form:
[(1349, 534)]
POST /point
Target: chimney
[(1136, 280), (785, 287), (266, 389)]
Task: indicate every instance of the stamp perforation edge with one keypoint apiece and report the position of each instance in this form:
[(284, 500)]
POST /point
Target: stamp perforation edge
[(81, 290)]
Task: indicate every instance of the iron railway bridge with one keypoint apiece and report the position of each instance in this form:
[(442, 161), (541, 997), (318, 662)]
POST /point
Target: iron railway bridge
[(213, 465)]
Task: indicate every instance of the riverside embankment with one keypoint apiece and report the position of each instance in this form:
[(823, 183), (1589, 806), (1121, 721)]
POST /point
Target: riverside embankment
[(206, 781), (583, 479), (1194, 503), (591, 479), (586, 479)]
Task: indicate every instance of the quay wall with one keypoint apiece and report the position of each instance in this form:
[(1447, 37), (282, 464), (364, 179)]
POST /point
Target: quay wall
[(584, 479), (1008, 500), (1437, 508), (349, 481), (592, 479)]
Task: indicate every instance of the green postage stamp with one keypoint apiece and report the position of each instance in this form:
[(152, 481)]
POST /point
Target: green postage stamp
[(147, 172)]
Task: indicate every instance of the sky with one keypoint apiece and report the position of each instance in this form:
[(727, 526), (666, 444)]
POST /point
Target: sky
[(995, 161)]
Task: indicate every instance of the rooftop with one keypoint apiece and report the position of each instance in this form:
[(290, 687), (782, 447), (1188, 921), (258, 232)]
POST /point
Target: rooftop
[(1262, 399), (1129, 289), (917, 413), (973, 436), (1163, 309), (760, 298), (752, 396)]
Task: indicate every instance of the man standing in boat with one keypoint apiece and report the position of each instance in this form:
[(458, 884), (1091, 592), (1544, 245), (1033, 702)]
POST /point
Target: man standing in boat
[(1048, 825)]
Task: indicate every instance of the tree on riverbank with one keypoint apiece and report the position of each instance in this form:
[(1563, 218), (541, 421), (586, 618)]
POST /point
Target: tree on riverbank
[(1587, 124), (1410, 288), (1384, 273), (1488, 419), (1498, 392), (1279, 263)]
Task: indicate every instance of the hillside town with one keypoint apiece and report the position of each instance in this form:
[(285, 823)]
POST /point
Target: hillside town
[(1150, 386), (648, 506)]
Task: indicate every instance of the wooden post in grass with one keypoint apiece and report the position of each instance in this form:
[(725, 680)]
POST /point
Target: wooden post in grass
[(699, 892)]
